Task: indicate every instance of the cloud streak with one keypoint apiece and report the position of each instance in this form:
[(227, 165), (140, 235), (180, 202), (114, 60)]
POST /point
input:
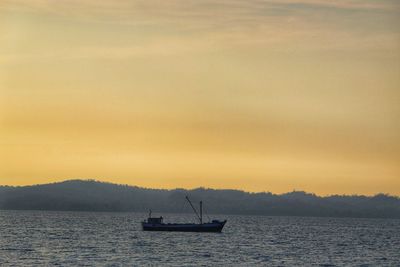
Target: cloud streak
[(170, 27)]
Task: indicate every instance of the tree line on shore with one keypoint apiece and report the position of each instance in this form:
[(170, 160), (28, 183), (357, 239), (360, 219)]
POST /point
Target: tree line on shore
[(90, 195)]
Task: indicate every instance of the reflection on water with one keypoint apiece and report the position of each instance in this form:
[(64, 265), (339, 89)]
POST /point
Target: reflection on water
[(79, 238)]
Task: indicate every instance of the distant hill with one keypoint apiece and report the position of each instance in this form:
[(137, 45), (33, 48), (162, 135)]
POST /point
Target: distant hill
[(89, 195)]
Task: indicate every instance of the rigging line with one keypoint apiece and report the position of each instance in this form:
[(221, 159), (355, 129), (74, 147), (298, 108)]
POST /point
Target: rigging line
[(195, 211), (208, 217)]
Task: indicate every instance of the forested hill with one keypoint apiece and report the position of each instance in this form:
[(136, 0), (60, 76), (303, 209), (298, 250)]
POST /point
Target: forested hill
[(88, 195)]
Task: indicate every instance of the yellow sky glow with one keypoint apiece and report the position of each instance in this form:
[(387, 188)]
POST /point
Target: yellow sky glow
[(254, 95)]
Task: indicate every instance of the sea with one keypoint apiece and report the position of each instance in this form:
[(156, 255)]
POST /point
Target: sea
[(51, 238)]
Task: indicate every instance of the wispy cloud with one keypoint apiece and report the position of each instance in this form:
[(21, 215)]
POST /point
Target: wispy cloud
[(178, 9), (170, 27)]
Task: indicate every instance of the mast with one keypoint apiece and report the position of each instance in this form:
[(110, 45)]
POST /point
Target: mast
[(195, 211), (201, 212)]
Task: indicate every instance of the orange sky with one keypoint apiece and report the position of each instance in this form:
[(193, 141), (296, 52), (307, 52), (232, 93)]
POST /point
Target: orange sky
[(254, 95)]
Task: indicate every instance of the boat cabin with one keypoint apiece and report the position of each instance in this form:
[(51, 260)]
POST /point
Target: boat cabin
[(155, 220)]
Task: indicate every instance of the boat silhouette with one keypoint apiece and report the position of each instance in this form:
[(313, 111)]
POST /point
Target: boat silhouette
[(157, 224)]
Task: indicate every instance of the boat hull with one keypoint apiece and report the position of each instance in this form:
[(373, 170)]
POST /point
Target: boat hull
[(175, 227)]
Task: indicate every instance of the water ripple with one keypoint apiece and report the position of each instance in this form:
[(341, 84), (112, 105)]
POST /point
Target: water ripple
[(36, 238)]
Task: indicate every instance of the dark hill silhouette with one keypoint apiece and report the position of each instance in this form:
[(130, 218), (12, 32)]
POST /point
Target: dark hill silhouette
[(89, 195)]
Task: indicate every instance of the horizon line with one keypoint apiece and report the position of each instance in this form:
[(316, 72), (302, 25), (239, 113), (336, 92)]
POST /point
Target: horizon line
[(199, 187)]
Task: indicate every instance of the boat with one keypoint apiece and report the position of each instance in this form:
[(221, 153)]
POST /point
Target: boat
[(157, 224)]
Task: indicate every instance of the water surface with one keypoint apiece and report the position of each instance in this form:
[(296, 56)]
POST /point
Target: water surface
[(90, 238)]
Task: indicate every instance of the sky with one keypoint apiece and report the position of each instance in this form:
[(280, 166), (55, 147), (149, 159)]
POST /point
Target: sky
[(258, 95)]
